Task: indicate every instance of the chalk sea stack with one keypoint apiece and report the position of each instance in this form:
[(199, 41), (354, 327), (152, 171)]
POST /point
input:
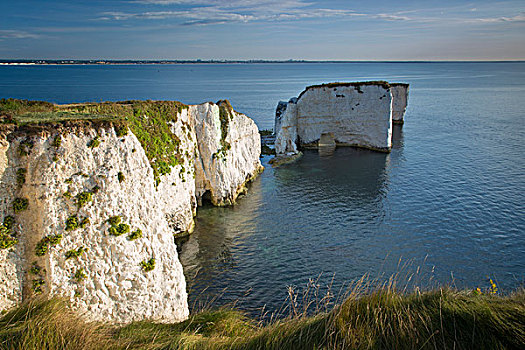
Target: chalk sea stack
[(357, 114)]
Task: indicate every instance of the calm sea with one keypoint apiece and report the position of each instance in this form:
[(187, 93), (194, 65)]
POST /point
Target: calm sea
[(449, 199)]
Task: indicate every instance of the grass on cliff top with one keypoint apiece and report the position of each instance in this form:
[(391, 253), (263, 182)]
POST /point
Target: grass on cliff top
[(378, 319), (148, 120)]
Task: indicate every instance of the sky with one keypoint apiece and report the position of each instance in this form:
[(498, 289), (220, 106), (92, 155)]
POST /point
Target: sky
[(263, 29)]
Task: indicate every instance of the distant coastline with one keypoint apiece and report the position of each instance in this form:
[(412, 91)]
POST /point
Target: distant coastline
[(24, 62)]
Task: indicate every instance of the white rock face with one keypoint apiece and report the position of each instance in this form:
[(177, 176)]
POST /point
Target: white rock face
[(115, 287), (399, 105), (286, 127), (107, 280), (11, 260), (224, 168), (356, 114)]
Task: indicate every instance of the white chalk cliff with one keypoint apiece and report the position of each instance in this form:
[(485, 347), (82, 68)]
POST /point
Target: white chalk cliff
[(92, 221), (352, 114)]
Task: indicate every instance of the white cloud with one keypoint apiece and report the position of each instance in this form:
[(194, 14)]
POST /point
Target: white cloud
[(390, 17), (17, 34), (517, 18), (224, 13)]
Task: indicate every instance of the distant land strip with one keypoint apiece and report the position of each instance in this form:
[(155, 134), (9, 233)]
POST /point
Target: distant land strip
[(158, 62)]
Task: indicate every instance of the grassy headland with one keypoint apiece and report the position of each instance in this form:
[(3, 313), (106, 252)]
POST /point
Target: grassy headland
[(381, 319), (148, 120)]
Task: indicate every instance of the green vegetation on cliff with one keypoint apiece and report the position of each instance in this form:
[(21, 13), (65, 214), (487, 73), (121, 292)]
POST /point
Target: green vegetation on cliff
[(379, 319), (148, 120)]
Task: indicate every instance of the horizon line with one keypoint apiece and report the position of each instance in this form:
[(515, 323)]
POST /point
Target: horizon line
[(100, 61)]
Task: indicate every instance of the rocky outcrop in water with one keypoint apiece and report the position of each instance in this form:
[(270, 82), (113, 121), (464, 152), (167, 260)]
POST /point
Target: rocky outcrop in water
[(89, 205), (352, 114)]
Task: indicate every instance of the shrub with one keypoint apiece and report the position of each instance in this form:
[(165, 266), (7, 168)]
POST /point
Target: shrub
[(80, 275), (83, 198), (21, 176), (48, 241), (6, 240), (57, 141), (121, 130), (94, 143), (35, 269), (37, 285), (9, 223), (148, 265), (20, 204), (67, 194), (120, 229), (117, 228), (114, 220), (135, 235), (84, 222), (72, 223), (75, 253), (121, 177)]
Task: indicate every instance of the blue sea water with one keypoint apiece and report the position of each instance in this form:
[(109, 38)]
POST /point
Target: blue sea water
[(449, 199)]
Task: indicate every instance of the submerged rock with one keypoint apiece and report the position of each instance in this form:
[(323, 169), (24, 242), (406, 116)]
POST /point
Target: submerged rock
[(93, 203)]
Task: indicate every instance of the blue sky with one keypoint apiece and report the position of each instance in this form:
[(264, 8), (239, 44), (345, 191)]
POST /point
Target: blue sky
[(263, 29)]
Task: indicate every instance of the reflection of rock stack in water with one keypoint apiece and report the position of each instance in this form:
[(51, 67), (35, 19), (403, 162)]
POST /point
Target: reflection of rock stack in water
[(326, 144), (357, 114)]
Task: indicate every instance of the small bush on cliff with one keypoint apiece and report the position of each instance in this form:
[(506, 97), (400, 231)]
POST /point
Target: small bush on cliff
[(114, 220), (25, 147), (117, 228), (57, 141), (75, 253), (84, 222), (37, 285), (35, 269), (48, 241), (94, 143), (21, 176), (72, 223), (20, 204), (121, 130), (9, 223), (6, 240), (83, 198), (135, 235), (148, 265), (80, 275)]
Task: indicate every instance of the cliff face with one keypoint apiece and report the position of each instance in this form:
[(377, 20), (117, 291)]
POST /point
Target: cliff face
[(229, 152), (87, 215), (400, 101), (354, 114)]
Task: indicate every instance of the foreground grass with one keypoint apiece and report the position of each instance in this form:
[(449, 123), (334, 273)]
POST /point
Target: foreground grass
[(382, 319)]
